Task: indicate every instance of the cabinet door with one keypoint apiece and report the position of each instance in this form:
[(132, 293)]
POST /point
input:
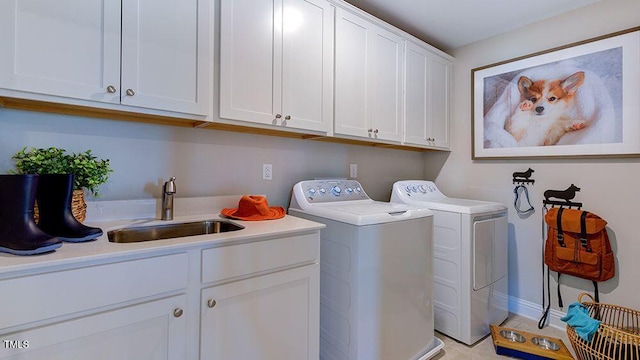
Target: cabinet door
[(307, 64), (440, 91), (250, 69), (385, 84), (426, 97), (351, 75), (368, 80), (271, 317), (151, 330), (165, 55), (66, 48)]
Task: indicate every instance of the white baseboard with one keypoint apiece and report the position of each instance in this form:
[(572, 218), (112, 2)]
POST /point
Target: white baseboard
[(534, 311)]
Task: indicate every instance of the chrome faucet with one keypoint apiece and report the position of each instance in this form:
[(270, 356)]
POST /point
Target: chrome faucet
[(168, 189)]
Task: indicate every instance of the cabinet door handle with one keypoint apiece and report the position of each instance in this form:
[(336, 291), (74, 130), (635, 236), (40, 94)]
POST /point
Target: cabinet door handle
[(278, 116), (211, 303), (111, 89), (130, 92), (370, 131), (375, 131), (287, 117), (177, 312)]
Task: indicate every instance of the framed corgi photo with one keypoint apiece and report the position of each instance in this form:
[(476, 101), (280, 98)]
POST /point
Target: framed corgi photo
[(582, 100)]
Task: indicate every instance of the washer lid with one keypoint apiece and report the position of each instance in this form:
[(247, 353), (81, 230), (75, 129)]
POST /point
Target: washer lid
[(423, 193)]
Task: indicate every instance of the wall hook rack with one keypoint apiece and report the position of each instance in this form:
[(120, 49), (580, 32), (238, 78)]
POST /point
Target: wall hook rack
[(523, 177), (565, 195)]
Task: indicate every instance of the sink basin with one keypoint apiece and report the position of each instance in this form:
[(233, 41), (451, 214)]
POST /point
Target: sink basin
[(169, 231)]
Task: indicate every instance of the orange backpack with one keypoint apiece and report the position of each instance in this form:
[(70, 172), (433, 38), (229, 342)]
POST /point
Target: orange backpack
[(578, 244)]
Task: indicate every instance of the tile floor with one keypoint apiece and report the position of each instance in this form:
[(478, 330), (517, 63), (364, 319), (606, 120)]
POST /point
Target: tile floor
[(484, 349)]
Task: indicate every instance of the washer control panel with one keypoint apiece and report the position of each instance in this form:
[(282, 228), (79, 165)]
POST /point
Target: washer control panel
[(319, 191)]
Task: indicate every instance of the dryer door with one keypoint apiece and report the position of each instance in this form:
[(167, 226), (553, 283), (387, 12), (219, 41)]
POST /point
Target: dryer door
[(490, 248)]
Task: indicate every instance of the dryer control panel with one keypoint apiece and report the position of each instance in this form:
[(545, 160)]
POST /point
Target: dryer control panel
[(418, 190), (320, 191)]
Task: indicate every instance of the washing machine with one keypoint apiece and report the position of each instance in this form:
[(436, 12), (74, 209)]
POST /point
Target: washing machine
[(470, 259), (376, 273)]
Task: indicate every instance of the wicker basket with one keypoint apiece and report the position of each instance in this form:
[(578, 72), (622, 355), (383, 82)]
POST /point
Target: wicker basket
[(78, 207), (618, 336)]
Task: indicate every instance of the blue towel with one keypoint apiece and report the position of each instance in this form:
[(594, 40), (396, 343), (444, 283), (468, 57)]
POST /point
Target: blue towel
[(578, 318)]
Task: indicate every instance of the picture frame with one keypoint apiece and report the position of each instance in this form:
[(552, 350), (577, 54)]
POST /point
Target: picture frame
[(578, 100)]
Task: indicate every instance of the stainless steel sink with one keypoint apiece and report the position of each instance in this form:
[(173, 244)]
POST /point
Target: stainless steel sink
[(169, 231)]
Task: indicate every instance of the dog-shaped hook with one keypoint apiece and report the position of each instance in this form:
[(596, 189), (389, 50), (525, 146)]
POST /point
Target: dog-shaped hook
[(565, 195), (523, 177)]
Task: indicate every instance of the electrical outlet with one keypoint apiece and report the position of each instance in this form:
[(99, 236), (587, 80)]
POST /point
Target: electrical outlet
[(353, 171), (267, 172)]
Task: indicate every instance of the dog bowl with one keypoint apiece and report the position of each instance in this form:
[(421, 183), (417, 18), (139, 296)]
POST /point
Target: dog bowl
[(512, 336), (545, 343)]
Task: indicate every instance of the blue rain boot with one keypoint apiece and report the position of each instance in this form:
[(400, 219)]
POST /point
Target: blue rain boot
[(54, 208), (19, 233)]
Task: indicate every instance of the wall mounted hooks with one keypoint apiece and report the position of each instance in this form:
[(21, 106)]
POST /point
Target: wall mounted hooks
[(523, 177), (566, 195)]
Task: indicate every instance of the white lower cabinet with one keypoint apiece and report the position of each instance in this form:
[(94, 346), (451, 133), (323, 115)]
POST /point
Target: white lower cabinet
[(270, 317), (151, 330), (253, 300), (130, 309)]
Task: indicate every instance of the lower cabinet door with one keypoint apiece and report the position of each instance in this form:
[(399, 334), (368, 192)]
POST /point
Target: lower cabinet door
[(152, 330), (270, 317)]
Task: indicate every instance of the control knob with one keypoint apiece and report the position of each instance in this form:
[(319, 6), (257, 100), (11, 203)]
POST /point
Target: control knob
[(336, 190)]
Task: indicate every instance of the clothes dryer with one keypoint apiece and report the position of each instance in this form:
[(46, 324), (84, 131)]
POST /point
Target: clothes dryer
[(375, 273), (470, 259)]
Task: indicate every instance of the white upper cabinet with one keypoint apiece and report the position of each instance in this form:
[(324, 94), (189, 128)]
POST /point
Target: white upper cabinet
[(72, 49), (427, 97), (276, 62), (165, 55), (66, 48), (368, 79)]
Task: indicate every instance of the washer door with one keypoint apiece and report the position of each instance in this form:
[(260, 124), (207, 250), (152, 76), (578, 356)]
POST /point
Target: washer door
[(490, 250)]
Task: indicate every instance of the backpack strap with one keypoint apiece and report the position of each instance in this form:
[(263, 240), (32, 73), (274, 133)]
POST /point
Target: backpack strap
[(560, 304), (583, 231), (560, 237)]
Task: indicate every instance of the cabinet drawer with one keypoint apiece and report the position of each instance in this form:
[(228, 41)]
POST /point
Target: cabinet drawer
[(240, 260), (45, 296)]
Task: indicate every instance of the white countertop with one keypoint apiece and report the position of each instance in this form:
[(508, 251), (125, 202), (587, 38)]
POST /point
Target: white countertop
[(110, 217)]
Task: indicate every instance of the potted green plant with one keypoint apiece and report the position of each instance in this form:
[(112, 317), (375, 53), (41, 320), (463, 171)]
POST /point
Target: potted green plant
[(89, 171)]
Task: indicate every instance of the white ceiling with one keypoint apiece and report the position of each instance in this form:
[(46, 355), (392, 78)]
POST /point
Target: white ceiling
[(449, 24)]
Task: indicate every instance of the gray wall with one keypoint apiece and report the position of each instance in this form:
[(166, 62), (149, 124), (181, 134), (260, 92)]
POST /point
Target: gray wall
[(609, 186), (205, 162)]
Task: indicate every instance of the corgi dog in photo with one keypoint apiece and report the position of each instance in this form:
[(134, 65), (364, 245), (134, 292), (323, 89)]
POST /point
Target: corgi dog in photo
[(508, 115), (543, 115)]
